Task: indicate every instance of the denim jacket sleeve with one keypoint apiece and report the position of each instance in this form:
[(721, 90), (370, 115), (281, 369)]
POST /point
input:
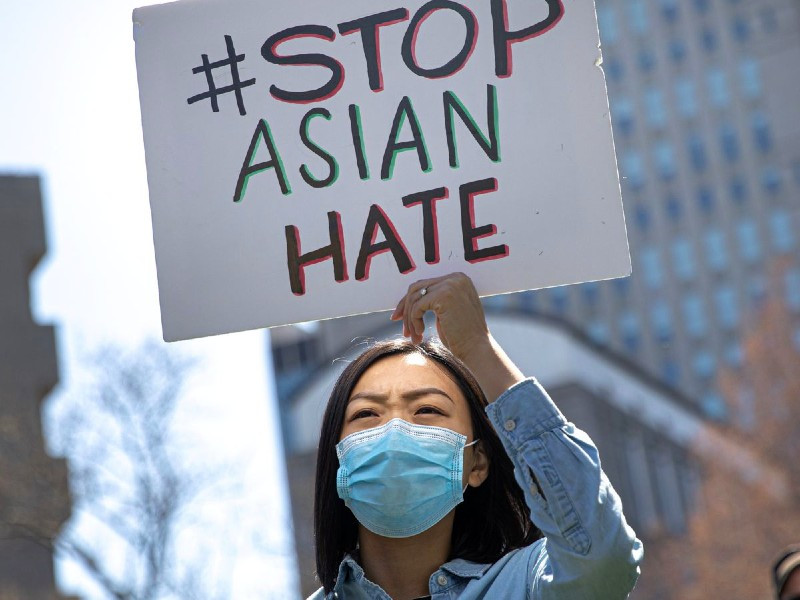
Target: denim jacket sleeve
[(589, 550)]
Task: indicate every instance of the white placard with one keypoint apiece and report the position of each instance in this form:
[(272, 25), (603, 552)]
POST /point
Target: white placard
[(311, 159)]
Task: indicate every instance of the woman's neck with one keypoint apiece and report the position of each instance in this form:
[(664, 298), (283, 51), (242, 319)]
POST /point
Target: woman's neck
[(403, 566)]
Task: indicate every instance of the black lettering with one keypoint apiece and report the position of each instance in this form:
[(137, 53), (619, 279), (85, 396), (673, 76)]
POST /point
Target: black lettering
[(408, 49), (472, 233), (297, 261), (405, 111), (315, 59), (369, 27), (503, 38), (333, 167), (430, 227), (377, 220), (490, 145), (249, 169)]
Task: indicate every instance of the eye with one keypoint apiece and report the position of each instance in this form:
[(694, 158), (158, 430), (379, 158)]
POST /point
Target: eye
[(429, 410), (364, 413)]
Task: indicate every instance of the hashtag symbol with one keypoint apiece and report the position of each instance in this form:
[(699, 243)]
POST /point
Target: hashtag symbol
[(236, 85)]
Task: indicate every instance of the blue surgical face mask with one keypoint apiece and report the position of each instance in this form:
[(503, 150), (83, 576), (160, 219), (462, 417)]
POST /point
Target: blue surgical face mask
[(400, 479)]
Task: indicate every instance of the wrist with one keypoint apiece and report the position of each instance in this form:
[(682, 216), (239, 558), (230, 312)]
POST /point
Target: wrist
[(491, 366)]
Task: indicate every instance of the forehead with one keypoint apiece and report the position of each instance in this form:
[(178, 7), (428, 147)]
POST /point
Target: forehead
[(406, 372)]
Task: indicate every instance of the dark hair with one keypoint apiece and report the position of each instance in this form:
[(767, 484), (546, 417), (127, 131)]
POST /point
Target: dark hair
[(492, 520)]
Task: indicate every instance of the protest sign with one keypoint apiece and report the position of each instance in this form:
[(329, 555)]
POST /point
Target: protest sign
[(311, 159)]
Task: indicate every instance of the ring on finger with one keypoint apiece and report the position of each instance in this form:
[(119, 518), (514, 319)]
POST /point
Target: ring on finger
[(423, 291)]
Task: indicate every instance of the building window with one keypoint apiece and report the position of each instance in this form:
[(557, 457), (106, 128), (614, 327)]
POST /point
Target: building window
[(598, 332), (727, 307), (646, 59), (729, 142), (654, 108), (559, 299), (771, 179), (527, 301), (629, 331), (622, 114), (694, 315), (671, 372), (697, 152), (669, 8), (738, 190), (717, 88), (791, 281), (662, 321), (734, 356), (704, 364), (749, 242), (749, 78), (499, 301), (633, 169), (677, 50), (637, 16), (761, 133), (708, 39), (651, 267), (607, 23), (757, 289), (622, 285), (716, 256), (642, 217), (687, 100), (591, 292), (705, 200), (714, 406), (614, 69), (683, 259), (780, 225), (665, 160), (295, 355), (674, 208), (740, 29)]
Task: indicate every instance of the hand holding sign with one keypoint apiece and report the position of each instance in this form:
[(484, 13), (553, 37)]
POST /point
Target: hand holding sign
[(461, 326)]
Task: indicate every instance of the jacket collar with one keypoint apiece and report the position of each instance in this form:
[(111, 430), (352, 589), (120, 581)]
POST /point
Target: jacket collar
[(349, 568)]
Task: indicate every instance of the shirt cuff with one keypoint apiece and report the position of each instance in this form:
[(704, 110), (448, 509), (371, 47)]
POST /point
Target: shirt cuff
[(524, 411)]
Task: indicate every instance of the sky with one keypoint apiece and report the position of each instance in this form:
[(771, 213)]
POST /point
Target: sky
[(69, 113)]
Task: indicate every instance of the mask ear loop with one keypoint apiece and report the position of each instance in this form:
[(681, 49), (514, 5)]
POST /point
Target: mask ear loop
[(472, 443)]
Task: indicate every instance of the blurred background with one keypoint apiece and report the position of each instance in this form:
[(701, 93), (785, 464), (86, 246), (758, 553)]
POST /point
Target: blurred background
[(133, 469)]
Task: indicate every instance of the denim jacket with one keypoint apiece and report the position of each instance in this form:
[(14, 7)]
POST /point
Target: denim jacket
[(588, 551)]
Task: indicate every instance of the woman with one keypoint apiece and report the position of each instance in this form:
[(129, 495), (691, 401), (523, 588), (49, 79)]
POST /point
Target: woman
[(424, 490)]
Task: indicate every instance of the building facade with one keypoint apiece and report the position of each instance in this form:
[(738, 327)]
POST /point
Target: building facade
[(705, 105), (34, 496)]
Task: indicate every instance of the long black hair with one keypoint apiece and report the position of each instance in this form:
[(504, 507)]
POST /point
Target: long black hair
[(492, 520)]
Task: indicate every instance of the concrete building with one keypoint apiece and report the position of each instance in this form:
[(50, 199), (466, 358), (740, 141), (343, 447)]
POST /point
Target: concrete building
[(705, 104), (34, 497)]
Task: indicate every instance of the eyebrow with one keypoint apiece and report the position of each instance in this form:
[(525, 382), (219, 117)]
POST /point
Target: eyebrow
[(409, 395)]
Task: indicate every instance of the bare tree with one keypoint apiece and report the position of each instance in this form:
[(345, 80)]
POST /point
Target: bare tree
[(135, 491)]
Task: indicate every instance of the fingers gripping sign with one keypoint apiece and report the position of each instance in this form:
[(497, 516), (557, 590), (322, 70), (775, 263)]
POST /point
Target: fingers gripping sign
[(462, 327), (460, 321)]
